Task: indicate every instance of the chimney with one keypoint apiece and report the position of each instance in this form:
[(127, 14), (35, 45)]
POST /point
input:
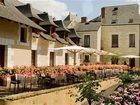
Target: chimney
[(2, 1), (83, 19)]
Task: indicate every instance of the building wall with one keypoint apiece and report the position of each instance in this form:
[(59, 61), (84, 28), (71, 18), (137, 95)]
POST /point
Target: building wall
[(42, 52), (123, 31), (59, 54), (9, 36), (93, 42), (122, 15)]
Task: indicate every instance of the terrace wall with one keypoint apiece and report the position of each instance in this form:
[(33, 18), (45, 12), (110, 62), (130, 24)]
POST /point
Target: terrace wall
[(57, 96)]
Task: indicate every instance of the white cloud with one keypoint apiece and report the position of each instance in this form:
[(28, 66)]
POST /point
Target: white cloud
[(55, 8), (134, 1)]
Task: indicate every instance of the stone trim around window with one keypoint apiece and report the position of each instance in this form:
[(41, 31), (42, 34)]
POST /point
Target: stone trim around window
[(27, 32)]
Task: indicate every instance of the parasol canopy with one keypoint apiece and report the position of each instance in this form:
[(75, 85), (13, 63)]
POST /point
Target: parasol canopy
[(130, 56)]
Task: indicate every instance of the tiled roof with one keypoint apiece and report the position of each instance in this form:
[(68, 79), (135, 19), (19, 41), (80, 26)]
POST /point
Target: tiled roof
[(71, 42), (48, 37), (73, 34), (8, 11), (61, 25), (72, 17), (48, 20), (89, 26), (61, 40), (97, 19), (67, 23), (28, 11)]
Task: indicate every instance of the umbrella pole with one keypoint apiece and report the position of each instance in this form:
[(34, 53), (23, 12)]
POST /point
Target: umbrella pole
[(74, 58), (90, 58)]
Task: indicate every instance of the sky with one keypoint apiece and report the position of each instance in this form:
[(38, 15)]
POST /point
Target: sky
[(89, 8)]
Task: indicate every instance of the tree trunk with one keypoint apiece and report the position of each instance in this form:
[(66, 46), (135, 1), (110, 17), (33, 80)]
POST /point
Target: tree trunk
[(89, 102)]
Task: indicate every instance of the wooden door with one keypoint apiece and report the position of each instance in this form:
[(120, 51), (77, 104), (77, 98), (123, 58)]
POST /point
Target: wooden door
[(34, 57), (51, 58), (66, 58), (132, 62)]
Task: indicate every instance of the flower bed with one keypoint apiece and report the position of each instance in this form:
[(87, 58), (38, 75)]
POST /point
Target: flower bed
[(122, 96), (58, 74)]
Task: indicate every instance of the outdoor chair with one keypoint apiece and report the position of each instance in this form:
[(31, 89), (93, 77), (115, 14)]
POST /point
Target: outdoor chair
[(71, 78), (14, 82)]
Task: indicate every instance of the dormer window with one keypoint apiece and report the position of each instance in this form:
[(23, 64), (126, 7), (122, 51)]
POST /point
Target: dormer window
[(2, 1), (115, 9)]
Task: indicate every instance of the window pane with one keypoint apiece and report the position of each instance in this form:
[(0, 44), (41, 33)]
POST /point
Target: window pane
[(86, 58), (87, 40), (114, 40), (23, 35), (131, 40)]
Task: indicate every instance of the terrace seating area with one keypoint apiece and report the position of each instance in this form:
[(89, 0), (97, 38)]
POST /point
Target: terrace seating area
[(21, 79)]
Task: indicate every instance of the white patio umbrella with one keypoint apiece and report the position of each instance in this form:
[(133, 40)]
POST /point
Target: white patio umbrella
[(111, 54), (73, 49), (101, 52), (130, 56)]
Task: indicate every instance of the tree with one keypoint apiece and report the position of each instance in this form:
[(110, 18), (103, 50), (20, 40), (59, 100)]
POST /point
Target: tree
[(88, 88)]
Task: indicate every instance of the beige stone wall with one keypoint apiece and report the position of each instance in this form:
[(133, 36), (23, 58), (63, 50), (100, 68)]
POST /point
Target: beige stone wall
[(123, 31), (59, 54), (14, 50), (93, 42), (22, 57), (42, 52), (123, 14)]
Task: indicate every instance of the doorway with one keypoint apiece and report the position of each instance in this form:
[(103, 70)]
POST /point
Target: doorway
[(34, 57), (132, 62), (2, 55), (66, 59), (51, 58)]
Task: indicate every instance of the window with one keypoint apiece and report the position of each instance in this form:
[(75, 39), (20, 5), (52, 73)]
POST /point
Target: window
[(103, 12), (130, 21), (114, 41), (86, 58), (131, 40), (115, 9), (23, 35), (87, 40)]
